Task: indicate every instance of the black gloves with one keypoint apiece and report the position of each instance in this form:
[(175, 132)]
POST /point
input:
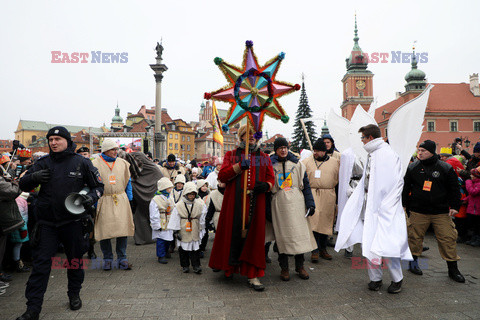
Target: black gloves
[(210, 226), (311, 211), (87, 202), (41, 176), (261, 187), (245, 164), (177, 234)]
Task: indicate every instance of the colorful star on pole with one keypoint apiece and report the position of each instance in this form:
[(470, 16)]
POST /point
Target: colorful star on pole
[(252, 90)]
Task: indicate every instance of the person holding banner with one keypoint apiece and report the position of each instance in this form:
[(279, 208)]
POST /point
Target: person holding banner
[(240, 238)]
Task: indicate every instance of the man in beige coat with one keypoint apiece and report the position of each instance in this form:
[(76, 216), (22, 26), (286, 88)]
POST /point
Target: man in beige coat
[(292, 201), (171, 168), (322, 172), (114, 217)]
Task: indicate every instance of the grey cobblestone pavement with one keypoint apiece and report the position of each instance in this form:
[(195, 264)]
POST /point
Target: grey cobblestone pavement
[(335, 290)]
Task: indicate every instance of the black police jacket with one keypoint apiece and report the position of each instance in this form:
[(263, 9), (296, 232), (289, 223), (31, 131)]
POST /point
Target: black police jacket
[(70, 172), (444, 193)]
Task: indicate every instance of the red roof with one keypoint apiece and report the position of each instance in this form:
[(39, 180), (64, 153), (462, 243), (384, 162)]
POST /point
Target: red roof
[(444, 97), (165, 117)]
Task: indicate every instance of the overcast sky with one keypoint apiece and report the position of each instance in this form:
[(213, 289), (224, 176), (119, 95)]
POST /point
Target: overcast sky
[(316, 37)]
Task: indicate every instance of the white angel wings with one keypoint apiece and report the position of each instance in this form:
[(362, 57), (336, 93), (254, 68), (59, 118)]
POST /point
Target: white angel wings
[(404, 128)]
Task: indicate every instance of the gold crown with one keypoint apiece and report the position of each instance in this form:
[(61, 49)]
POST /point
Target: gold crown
[(24, 153)]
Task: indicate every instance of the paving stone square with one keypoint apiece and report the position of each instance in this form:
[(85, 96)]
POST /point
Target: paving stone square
[(337, 289)]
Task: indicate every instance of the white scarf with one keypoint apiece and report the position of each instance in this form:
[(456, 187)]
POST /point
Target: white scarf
[(373, 145)]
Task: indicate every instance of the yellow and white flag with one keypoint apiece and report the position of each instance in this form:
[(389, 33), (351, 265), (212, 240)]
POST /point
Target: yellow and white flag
[(217, 125)]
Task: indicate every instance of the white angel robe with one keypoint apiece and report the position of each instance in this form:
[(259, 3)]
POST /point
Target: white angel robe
[(382, 229), (347, 161)]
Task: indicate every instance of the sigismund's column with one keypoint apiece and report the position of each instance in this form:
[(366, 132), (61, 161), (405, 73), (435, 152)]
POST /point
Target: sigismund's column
[(159, 68)]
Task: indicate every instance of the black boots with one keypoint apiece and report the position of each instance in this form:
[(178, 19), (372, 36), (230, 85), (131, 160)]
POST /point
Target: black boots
[(453, 272), (75, 302), (413, 266), (29, 315)]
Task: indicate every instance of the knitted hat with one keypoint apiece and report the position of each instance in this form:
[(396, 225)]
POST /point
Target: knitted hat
[(164, 183), (242, 130), (328, 136), (280, 142), (180, 178), (319, 145), (189, 188), (201, 183), (171, 157), (429, 145), (476, 148), (195, 170), (59, 131), (109, 144), (83, 149), (474, 172)]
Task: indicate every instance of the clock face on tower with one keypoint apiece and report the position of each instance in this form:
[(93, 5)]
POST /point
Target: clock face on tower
[(360, 84)]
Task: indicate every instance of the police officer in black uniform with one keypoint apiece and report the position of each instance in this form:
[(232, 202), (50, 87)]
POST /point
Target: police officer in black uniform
[(60, 173)]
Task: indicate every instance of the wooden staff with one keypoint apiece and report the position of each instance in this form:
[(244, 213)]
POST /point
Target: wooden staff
[(245, 182)]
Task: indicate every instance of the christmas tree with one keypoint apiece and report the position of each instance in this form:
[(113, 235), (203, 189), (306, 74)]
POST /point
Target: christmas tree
[(300, 141)]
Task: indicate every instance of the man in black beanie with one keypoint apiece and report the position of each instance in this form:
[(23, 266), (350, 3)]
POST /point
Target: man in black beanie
[(322, 171), (60, 173), (432, 196), (291, 202), (171, 168)]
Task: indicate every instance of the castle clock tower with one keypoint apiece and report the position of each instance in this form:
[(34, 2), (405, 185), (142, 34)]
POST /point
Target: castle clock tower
[(357, 82)]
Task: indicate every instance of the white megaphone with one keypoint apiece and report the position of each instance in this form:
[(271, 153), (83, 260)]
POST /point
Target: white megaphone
[(73, 202)]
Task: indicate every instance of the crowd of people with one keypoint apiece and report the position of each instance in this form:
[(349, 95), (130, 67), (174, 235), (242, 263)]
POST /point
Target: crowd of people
[(69, 199)]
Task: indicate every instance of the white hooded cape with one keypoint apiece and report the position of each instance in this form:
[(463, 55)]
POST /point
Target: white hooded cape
[(383, 233)]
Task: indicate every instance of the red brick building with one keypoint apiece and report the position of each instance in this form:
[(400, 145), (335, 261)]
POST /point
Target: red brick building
[(453, 110), (5, 146)]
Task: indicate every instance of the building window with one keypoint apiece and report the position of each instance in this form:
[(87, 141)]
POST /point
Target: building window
[(176, 146), (170, 136), (453, 125), (34, 138), (170, 145), (430, 126), (188, 147), (476, 126), (176, 136), (183, 138), (182, 146), (188, 138), (188, 157)]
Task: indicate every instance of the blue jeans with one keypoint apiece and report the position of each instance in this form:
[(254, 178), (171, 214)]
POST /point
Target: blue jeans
[(162, 247), (121, 249)]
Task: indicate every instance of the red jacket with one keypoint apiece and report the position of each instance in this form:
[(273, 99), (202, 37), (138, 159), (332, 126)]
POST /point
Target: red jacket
[(230, 252)]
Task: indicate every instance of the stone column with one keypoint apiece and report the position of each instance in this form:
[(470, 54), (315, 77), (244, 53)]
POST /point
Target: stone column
[(160, 138)]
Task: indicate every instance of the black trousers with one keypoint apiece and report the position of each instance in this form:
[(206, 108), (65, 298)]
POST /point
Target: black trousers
[(187, 257), (72, 237), (474, 223), (321, 240), (203, 244), (283, 260)]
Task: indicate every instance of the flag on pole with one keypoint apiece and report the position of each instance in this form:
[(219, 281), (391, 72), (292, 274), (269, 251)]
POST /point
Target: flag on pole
[(217, 125)]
